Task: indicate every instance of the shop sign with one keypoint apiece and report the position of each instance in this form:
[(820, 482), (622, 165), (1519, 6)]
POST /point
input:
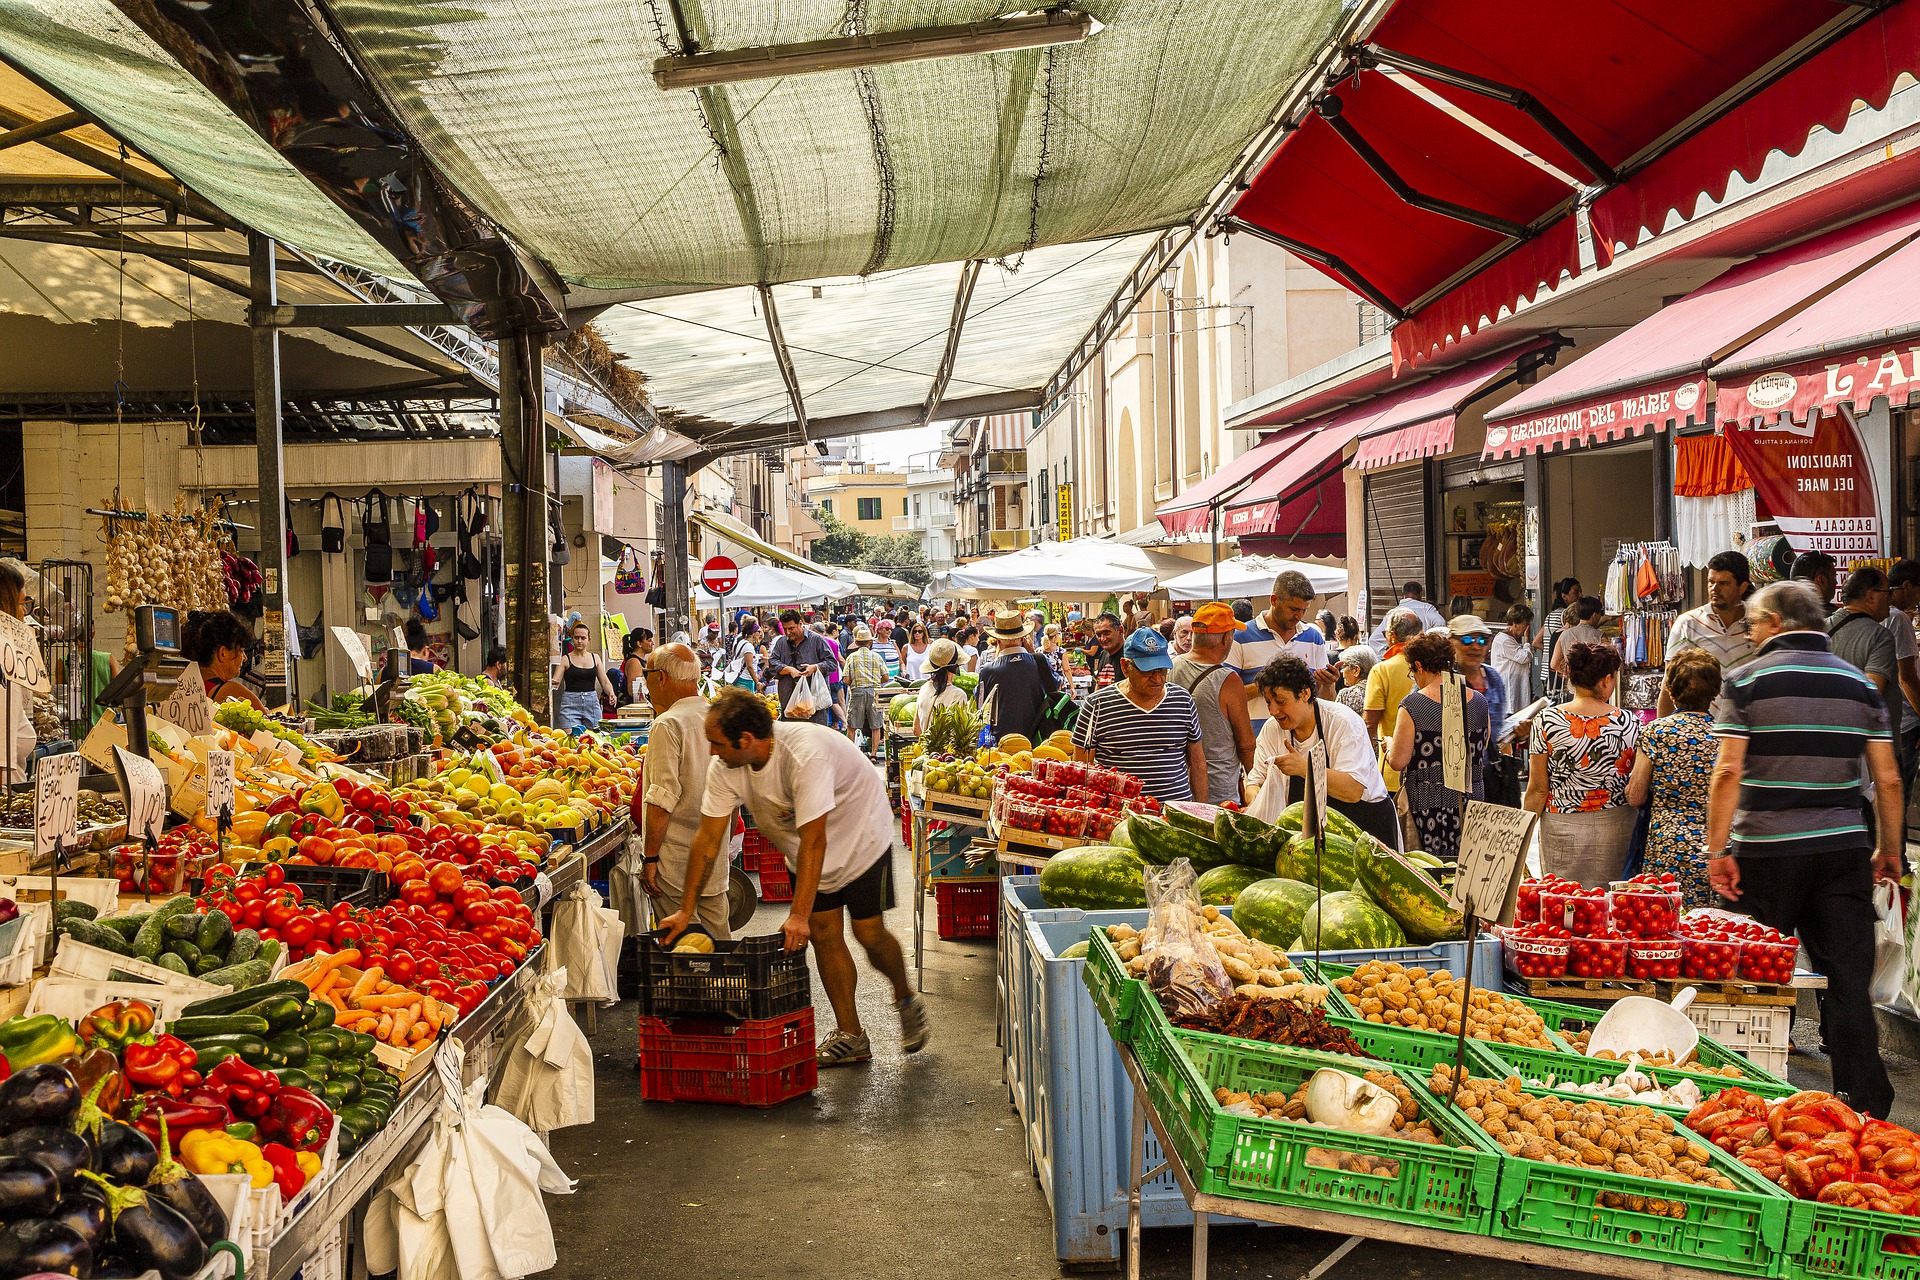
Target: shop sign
[(1477, 585), (1816, 482), (1065, 517), (1629, 413), (1800, 391)]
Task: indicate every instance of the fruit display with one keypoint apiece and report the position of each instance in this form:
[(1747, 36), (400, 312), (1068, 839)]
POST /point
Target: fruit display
[(1160, 842), (1429, 1000), (1348, 921), (1654, 959), (1647, 906), (1053, 820), (1537, 950), (1376, 1102), (1527, 904), (953, 729), (164, 868), (1407, 892), (1335, 866), (1220, 886), (243, 718), (961, 778), (1094, 877), (1246, 840), (1635, 1141)]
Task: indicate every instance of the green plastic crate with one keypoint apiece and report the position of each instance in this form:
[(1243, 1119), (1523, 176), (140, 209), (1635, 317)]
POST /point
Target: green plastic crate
[(1740, 1232), (1338, 1003), (1711, 1053), (1115, 993), (1452, 1188), (1573, 1068), (1827, 1242)]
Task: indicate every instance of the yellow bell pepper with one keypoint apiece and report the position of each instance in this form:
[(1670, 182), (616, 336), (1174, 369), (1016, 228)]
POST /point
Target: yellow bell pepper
[(211, 1151), (308, 1162), (323, 798), (279, 849), (248, 828)]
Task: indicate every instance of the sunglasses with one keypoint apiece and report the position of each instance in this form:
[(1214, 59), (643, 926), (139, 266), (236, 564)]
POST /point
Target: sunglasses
[(1475, 641)]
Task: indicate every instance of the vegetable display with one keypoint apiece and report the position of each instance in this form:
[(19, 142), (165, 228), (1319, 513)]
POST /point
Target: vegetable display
[(1429, 1000)]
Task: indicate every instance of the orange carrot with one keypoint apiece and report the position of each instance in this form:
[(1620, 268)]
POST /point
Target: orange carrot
[(398, 998), (403, 1020), (335, 959), (384, 1027), (364, 987)]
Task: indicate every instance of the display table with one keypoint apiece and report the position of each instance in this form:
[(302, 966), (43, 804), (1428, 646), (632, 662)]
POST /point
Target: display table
[(1356, 1227), (922, 872)]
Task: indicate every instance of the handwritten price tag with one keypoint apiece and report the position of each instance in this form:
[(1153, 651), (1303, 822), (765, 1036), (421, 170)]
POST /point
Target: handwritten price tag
[(188, 705), (354, 645), (1493, 850), (20, 661), (219, 782), (146, 793), (56, 802)]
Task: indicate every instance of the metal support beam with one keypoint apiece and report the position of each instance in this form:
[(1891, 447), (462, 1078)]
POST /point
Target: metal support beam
[(673, 573), (82, 193), (742, 437), (132, 175), (330, 315), (784, 359), (1357, 282), (523, 461), (1519, 99), (1329, 109), (43, 129), (107, 242), (268, 444), (962, 299)]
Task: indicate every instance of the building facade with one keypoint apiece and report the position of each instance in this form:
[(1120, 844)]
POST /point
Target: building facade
[(988, 458)]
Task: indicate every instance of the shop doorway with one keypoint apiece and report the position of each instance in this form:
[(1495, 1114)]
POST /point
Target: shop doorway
[(1482, 520), (1597, 499)]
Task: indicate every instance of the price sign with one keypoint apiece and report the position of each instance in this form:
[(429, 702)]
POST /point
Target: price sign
[(354, 645), (219, 782), (146, 793), (20, 662), (56, 803), (1493, 858), (188, 705), (491, 764), (262, 740)]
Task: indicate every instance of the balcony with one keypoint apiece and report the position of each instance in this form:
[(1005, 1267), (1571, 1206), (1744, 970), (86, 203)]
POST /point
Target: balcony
[(1006, 462), (1009, 539), (902, 524)]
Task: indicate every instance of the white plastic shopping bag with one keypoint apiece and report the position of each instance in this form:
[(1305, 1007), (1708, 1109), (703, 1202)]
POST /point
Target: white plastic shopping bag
[(1270, 801), (810, 696), (1889, 945)]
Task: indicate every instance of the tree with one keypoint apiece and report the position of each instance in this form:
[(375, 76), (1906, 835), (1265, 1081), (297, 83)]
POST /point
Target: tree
[(839, 543), (898, 555)]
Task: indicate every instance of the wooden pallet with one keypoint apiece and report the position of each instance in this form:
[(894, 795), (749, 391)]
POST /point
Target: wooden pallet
[(1589, 989), (1757, 993), (1016, 840)]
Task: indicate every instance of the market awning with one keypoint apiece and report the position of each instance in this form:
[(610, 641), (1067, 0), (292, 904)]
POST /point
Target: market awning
[(1418, 421), (1302, 495), (1250, 578), (1655, 375), (1850, 347), (1192, 511), (728, 529), (765, 585)]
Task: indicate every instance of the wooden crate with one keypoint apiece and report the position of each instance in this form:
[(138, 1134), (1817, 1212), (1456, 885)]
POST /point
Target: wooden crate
[(1588, 989), (1760, 993), (1017, 841)]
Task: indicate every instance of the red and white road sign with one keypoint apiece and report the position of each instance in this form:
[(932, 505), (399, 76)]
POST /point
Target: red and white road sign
[(719, 575)]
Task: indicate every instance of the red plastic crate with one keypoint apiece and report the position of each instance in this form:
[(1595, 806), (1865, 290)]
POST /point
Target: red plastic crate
[(760, 1063), (753, 845), (767, 861), (967, 910), (776, 886)]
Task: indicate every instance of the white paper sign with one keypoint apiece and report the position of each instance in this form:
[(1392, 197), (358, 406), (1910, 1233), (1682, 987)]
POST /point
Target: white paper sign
[(219, 782), (188, 705), (1493, 858), (56, 807), (263, 741), (354, 645), (146, 792), (20, 662)]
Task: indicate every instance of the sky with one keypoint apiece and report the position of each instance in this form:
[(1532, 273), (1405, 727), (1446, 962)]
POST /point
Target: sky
[(894, 448)]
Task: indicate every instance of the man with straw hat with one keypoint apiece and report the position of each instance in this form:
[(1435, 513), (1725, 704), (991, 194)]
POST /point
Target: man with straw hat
[(865, 674), (1015, 685)]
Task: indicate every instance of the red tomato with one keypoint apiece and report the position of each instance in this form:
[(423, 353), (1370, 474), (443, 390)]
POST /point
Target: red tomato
[(345, 788), (445, 879), (442, 911), (360, 822), (273, 875), (402, 807), (298, 931), (249, 891), (252, 914), (400, 967), (348, 933), (417, 893), (467, 843)]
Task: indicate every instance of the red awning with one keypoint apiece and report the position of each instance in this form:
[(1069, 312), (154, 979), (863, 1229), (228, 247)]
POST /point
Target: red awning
[(1418, 422), (1192, 511), (1856, 344), (1276, 490), (1655, 375)]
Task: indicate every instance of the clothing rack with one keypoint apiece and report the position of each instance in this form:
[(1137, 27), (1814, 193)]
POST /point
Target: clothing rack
[(1645, 575)]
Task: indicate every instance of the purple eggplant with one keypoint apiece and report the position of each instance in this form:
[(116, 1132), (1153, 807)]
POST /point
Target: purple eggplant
[(45, 1093), (28, 1189), (86, 1212), (124, 1153), (35, 1245), (177, 1186), (60, 1149), (149, 1231)]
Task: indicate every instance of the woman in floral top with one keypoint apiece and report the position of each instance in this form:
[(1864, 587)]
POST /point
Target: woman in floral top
[(1583, 755), (1674, 768)]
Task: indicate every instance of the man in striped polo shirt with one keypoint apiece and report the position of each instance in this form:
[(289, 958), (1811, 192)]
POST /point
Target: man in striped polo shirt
[(1787, 835)]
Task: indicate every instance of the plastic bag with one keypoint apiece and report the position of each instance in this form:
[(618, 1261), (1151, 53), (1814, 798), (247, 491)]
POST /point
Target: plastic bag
[(810, 695), (1889, 945), (1270, 801), (1183, 969)]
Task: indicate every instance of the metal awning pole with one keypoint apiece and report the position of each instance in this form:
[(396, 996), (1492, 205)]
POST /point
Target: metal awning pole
[(1215, 524), (523, 459), (268, 438)]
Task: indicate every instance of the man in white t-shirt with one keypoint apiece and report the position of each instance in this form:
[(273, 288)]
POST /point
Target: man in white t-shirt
[(1413, 598), (823, 805), (1282, 629)]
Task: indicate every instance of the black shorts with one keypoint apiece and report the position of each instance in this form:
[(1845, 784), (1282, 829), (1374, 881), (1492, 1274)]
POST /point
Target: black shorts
[(864, 897)]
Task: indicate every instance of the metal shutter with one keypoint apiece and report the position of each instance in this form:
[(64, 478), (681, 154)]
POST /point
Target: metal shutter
[(1396, 536)]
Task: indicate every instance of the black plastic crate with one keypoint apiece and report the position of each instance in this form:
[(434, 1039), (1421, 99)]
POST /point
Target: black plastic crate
[(743, 979), (325, 887)]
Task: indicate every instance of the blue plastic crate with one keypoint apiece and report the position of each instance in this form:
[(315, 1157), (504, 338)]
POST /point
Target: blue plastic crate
[(1020, 903), (1451, 956)]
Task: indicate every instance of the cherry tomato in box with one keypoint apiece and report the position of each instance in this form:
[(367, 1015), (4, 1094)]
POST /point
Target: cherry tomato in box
[(1643, 910), (1537, 950), (1762, 961), (1599, 955), (1582, 912), (1709, 959), (1653, 959)]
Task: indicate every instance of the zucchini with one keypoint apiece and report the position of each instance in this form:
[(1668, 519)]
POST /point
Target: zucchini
[(283, 1013), (250, 1049), (288, 1050), (183, 927), (172, 962), (93, 935), (238, 976), (327, 1042), (239, 1001), (295, 1078), (73, 909), (341, 1091), (246, 945), (362, 1045), (223, 1024), (320, 1016), (215, 932)]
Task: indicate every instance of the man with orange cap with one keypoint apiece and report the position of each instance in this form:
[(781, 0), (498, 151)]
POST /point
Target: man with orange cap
[(1220, 698)]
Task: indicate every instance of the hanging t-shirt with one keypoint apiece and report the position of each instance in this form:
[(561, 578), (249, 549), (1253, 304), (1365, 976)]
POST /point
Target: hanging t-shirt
[(1150, 745), (813, 771)]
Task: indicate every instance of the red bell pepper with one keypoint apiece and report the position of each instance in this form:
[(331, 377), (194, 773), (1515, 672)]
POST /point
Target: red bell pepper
[(114, 1026), (248, 1091), (162, 1065), (299, 1119), (287, 1174), (98, 1067), (196, 1111)]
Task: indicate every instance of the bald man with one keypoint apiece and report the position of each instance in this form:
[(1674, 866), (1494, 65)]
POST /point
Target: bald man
[(673, 783)]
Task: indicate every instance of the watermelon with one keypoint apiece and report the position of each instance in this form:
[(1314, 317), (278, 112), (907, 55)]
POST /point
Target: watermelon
[(1409, 896), (1222, 885), (1191, 815), (1339, 862), (1161, 842), (1094, 877), (1247, 840), (1272, 909), (1122, 837), (1078, 951), (1346, 922), (1338, 823), (901, 709)]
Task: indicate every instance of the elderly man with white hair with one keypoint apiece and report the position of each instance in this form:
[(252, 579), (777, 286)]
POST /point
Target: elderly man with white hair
[(673, 783)]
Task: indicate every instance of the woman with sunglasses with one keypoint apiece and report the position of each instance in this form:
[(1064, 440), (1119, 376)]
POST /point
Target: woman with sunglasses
[(913, 654)]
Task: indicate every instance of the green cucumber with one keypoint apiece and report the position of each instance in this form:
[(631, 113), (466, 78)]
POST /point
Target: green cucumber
[(250, 1049), (224, 1024), (362, 1044), (246, 945), (320, 1016), (126, 926), (205, 964), (182, 927), (327, 1042), (239, 1001), (215, 932), (185, 950), (295, 1078), (174, 963), (146, 943), (238, 976), (93, 935), (73, 909), (340, 1092)]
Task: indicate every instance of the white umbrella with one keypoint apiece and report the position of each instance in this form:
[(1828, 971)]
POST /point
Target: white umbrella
[(1079, 569), (1251, 577), (764, 585), (876, 584)]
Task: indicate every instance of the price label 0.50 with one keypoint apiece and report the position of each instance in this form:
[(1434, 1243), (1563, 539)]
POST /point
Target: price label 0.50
[(56, 802), (146, 792), (219, 782)]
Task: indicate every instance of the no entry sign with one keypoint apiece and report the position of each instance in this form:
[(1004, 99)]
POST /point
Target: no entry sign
[(719, 575)]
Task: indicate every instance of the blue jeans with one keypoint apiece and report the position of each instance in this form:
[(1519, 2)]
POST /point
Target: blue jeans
[(577, 712)]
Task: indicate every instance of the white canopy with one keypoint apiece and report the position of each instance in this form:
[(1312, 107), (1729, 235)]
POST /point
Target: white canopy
[(1251, 577), (875, 584), (765, 585), (1079, 569)]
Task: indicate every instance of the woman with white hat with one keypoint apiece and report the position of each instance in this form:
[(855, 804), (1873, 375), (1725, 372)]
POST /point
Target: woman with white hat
[(943, 660)]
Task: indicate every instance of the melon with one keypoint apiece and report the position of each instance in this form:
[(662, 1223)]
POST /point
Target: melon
[(1338, 863), (1347, 921), (1272, 910), (1413, 899), (1094, 877), (1222, 885)]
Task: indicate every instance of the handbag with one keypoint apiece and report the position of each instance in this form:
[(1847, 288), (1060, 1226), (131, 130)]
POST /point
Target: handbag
[(333, 534), (310, 634), (469, 566), (427, 521), (562, 549), (628, 580), (293, 539), (376, 530)]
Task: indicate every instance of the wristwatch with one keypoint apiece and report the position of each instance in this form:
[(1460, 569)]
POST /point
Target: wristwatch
[(645, 858)]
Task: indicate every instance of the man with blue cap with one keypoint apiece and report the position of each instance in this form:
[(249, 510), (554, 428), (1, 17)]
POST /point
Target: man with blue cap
[(1144, 726)]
